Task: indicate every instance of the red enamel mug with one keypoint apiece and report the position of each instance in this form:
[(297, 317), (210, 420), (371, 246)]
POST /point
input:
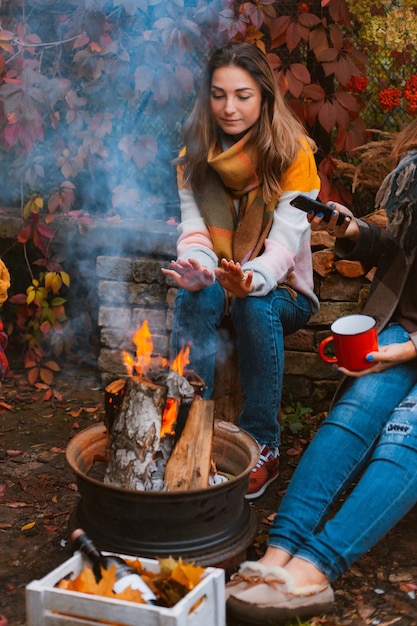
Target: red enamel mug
[(354, 336)]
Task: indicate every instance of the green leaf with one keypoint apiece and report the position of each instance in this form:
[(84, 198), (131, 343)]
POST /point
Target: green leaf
[(58, 301)]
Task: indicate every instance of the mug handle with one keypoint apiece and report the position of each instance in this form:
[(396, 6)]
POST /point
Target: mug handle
[(322, 345)]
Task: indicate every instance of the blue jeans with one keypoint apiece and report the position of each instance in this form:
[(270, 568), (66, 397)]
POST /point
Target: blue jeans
[(260, 324), (366, 449)]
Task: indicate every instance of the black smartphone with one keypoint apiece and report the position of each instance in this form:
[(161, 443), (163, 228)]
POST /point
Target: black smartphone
[(307, 204)]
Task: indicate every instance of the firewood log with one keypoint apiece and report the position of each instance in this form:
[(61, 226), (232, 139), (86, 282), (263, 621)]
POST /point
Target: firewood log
[(135, 434), (188, 467), (350, 269), (323, 262)]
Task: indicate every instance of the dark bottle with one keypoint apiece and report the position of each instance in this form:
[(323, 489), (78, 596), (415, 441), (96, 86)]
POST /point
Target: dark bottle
[(125, 575)]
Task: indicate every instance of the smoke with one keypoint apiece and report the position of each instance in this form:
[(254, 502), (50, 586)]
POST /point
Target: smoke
[(95, 92)]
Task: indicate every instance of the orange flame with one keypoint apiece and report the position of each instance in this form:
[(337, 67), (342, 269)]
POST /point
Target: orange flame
[(181, 361), (141, 363), (169, 417)]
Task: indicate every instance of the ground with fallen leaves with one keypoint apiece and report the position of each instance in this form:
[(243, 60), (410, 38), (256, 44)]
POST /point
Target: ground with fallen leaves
[(38, 494)]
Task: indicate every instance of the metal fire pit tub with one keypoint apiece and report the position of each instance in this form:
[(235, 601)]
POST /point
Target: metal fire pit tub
[(210, 526)]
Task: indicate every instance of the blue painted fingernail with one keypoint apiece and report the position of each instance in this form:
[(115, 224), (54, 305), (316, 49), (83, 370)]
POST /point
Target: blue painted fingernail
[(320, 214), (311, 212), (331, 205), (369, 357)]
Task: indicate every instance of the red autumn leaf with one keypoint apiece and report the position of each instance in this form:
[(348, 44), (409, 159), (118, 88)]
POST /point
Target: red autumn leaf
[(327, 116), (18, 298), (295, 86), (312, 111), (336, 36), (30, 360), (327, 55), (300, 72), (355, 136), (39, 242), (293, 36), (318, 40), (254, 14), (52, 365), (274, 61), (45, 231), (46, 375), (344, 69), (33, 375), (24, 235), (338, 10), (347, 101), (314, 92), (309, 20), (343, 116), (51, 529), (93, 409), (58, 395), (278, 30)]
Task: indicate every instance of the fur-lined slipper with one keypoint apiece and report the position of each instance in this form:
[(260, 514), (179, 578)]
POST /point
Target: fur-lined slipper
[(258, 594)]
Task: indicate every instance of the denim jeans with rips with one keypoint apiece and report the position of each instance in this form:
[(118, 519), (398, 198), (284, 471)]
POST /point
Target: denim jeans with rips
[(365, 451), (260, 324)]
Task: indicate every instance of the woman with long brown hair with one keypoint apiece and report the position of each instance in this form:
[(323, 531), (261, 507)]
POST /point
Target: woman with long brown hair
[(243, 250)]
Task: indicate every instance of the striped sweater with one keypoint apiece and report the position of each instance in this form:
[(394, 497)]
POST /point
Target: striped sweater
[(286, 257)]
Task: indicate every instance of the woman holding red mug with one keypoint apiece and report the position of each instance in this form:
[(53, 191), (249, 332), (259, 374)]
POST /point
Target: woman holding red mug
[(366, 449)]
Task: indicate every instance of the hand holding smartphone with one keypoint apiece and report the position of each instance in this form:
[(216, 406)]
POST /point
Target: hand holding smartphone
[(307, 204)]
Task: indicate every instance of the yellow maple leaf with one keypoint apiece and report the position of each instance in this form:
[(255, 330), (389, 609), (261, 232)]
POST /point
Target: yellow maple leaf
[(187, 574)]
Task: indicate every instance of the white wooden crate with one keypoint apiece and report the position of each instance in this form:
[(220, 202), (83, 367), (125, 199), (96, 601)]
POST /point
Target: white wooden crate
[(48, 606)]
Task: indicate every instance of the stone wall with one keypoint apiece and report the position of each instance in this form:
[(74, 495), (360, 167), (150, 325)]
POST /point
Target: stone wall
[(132, 289), (118, 267)]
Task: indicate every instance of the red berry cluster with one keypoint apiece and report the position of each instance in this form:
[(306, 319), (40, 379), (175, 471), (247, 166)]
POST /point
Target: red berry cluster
[(357, 84), (303, 7), (410, 92), (389, 98)]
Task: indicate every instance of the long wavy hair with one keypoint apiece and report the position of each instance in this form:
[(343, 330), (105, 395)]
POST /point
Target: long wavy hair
[(405, 140), (278, 135)]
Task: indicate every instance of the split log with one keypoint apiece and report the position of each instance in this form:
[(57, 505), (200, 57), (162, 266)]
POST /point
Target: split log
[(113, 397), (135, 434), (323, 262), (321, 239), (350, 269), (189, 464)]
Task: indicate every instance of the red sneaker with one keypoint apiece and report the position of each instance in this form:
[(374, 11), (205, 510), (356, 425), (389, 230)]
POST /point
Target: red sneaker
[(265, 471)]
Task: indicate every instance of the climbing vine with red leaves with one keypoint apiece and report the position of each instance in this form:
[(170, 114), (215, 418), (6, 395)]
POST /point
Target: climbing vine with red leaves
[(92, 99), (94, 93)]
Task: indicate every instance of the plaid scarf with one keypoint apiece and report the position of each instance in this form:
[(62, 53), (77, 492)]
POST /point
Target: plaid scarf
[(231, 175), (398, 196)]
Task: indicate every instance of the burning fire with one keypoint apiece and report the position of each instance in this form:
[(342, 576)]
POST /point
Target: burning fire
[(141, 363)]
